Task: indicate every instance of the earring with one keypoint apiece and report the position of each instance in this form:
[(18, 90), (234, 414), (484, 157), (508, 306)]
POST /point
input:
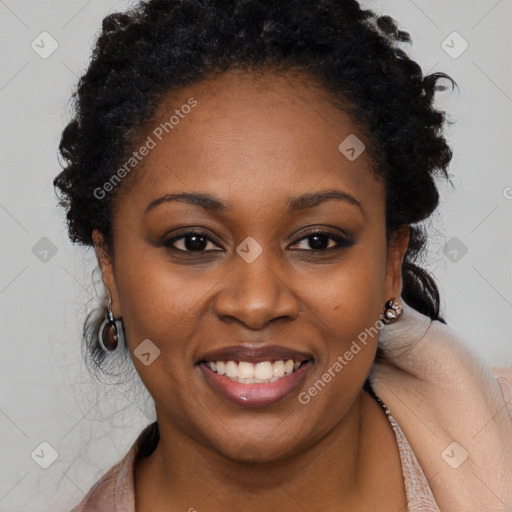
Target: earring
[(393, 311), (110, 333)]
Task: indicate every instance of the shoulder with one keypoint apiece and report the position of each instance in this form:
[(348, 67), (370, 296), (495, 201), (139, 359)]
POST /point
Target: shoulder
[(114, 491), (101, 495)]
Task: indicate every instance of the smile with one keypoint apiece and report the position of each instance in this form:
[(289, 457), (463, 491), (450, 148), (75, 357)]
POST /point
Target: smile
[(263, 372), (255, 384)]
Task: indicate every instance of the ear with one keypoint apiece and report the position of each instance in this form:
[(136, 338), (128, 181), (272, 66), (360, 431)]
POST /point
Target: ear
[(397, 248), (106, 263)]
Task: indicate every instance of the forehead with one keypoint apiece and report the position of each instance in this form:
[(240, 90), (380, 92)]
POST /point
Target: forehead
[(251, 138)]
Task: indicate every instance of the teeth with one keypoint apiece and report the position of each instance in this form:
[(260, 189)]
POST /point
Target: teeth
[(288, 366), (231, 369), (249, 373), (245, 370), (263, 371), (278, 368)]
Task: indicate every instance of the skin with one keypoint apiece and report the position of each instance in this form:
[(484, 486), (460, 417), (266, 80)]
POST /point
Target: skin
[(254, 144)]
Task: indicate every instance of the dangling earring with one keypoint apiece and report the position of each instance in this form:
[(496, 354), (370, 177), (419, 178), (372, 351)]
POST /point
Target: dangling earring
[(393, 311), (110, 333)]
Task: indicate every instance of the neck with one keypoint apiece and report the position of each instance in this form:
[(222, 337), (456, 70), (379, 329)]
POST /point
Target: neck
[(336, 470)]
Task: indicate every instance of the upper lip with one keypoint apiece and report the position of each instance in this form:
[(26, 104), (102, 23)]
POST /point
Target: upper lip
[(255, 354)]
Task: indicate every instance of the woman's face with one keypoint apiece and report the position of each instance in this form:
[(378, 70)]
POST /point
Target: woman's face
[(258, 153)]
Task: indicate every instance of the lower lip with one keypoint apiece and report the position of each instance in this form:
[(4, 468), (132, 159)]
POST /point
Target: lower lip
[(255, 395)]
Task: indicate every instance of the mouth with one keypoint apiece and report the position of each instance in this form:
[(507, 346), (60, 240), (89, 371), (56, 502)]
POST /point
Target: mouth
[(263, 372), (255, 376)]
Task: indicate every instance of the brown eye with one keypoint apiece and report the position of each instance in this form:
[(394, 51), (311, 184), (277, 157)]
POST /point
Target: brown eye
[(323, 241), (190, 242)]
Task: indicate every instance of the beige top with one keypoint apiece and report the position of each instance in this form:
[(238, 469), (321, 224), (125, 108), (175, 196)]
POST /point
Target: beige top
[(114, 492)]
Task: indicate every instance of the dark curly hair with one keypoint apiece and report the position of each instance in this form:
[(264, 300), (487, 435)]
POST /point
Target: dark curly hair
[(163, 45)]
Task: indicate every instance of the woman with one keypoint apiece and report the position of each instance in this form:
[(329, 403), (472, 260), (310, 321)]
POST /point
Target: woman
[(215, 144)]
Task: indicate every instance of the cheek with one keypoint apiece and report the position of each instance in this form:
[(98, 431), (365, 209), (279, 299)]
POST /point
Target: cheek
[(346, 307), (350, 292), (159, 301), (359, 292), (348, 317), (162, 303)]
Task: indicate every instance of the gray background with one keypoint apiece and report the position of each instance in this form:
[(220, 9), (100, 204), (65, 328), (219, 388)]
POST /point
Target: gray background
[(46, 394)]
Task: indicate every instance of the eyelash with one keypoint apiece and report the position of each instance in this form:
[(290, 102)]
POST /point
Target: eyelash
[(340, 241)]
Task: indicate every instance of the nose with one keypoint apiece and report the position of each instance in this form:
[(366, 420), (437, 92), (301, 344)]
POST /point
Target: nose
[(255, 293)]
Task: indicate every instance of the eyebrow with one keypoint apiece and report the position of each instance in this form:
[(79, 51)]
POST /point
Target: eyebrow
[(299, 203)]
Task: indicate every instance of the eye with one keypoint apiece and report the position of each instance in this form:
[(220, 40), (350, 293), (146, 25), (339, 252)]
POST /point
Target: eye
[(196, 241), (320, 240), (192, 241)]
